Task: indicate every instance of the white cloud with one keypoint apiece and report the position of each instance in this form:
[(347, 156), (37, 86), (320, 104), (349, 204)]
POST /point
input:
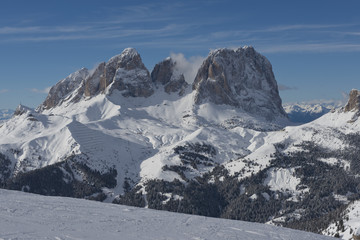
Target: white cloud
[(44, 91), (188, 67)]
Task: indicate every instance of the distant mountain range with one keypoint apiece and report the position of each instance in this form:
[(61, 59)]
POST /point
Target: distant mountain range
[(5, 114), (306, 112), (221, 147)]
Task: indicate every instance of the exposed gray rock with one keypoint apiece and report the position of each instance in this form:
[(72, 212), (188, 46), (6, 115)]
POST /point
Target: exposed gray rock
[(354, 101), (130, 75), (124, 72), (242, 78), (64, 88), (92, 83), (166, 74)]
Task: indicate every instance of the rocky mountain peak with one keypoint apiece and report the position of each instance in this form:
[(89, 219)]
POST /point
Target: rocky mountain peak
[(127, 73), (64, 88), (166, 74), (129, 59), (124, 72), (239, 77), (354, 101)]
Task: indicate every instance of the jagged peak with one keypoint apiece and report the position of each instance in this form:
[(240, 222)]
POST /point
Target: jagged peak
[(239, 49), (83, 72), (125, 55)]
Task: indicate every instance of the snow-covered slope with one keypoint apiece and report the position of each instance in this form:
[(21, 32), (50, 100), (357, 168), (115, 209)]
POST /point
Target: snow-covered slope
[(27, 216)]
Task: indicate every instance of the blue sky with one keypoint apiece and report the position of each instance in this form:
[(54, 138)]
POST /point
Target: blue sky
[(314, 46)]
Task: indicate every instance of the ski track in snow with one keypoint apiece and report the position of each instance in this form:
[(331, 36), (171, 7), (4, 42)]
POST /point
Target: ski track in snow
[(29, 216)]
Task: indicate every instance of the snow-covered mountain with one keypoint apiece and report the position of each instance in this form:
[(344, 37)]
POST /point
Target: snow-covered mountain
[(118, 118), (27, 216), (222, 147)]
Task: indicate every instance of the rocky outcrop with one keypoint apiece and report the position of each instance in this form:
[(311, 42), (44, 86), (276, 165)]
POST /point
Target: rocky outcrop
[(242, 78), (125, 72), (92, 83), (354, 101), (63, 89), (166, 74)]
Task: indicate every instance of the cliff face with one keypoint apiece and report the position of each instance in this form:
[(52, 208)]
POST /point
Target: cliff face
[(125, 72), (242, 78), (64, 88), (354, 101)]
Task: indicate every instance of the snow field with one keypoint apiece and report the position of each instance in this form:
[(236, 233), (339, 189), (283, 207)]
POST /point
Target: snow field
[(28, 216)]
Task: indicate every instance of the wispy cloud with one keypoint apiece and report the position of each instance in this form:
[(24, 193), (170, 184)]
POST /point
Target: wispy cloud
[(311, 47), (4, 90), (155, 24), (283, 87), (281, 28), (296, 38), (42, 29), (39, 34), (42, 91)]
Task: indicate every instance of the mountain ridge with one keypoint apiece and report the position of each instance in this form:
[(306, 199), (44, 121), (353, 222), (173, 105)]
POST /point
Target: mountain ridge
[(126, 72)]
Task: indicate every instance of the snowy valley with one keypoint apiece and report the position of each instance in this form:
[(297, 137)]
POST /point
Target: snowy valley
[(222, 147)]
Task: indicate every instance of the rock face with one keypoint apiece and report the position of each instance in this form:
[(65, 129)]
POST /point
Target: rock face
[(64, 88), (125, 72), (354, 101), (92, 83), (166, 74), (242, 78)]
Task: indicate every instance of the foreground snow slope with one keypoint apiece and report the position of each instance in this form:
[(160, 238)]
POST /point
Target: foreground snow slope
[(28, 216)]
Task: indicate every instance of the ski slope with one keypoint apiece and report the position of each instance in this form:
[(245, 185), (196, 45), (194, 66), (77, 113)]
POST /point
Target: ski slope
[(28, 216)]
